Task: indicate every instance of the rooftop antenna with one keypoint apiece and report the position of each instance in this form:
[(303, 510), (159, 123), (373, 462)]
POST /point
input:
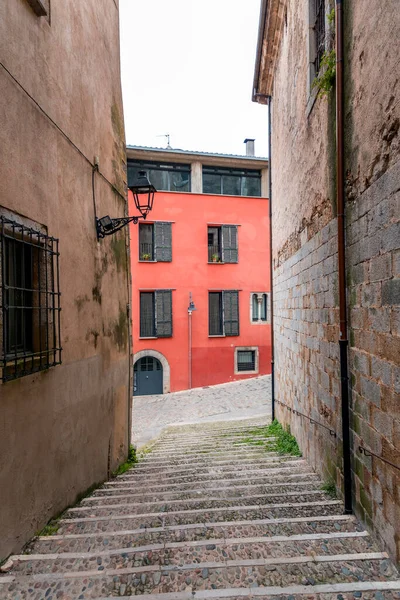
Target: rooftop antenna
[(166, 135)]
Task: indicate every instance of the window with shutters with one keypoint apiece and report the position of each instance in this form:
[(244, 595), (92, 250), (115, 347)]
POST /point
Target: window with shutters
[(156, 314), (319, 34), (246, 360), (222, 243), (155, 242), (223, 313), (259, 307)]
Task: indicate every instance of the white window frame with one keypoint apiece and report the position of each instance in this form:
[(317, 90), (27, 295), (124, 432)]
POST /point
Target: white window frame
[(256, 359), (259, 299)]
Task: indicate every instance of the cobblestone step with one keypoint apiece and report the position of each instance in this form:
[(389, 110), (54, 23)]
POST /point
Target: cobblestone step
[(182, 553), (199, 469), (213, 518), (123, 503), (120, 520), (201, 460), (91, 542), (208, 483), (215, 473), (300, 570), (236, 441), (225, 492)]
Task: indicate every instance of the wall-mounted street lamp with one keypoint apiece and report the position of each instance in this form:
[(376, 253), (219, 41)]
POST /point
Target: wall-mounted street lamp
[(143, 195)]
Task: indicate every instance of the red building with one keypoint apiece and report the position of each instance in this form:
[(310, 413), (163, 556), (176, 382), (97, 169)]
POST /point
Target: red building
[(200, 270)]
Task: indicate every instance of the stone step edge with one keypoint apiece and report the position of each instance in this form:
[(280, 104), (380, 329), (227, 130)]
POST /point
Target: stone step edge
[(187, 500), (133, 475), (267, 592), (205, 526), (98, 493), (193, 449), (198, 460), (183, 468), (260, 562), (160, 515), (221, 542), (204, 443), (249, 424), (283, 478)]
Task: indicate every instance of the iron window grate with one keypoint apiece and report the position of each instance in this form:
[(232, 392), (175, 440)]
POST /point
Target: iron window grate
[(29, 300), (246, 360), (319, 33)]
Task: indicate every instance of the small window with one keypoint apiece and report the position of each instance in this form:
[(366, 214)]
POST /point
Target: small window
[(222, 244), (246, 360), (29, 300), (156, 314), (223, 313), (164, 177), (231, 182), (155, 242), (319, 28), (259, 307)]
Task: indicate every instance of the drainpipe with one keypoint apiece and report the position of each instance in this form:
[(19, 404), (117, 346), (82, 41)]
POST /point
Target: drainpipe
[(271, 278), (340, 202)]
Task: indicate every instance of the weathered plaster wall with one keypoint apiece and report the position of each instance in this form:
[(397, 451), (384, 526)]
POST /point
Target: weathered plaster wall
[(64, 429), (305, 255)]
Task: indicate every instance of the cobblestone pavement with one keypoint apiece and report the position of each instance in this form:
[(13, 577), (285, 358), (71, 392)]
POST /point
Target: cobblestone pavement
[(209, 512), (227, 401)]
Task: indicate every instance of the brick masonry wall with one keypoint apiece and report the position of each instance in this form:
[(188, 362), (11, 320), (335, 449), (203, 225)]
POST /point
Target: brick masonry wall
[(373, 270), (304, 249), (306, 318)]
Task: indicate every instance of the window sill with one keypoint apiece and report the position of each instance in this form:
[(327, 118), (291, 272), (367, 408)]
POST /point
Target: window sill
[(152, 337), (211, 262), (246, 372), (147, 261), (260, 322), (217, 336), (311, 101)]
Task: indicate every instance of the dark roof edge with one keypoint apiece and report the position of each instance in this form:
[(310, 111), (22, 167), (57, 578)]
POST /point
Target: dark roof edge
[(260, 41), (198, 153)]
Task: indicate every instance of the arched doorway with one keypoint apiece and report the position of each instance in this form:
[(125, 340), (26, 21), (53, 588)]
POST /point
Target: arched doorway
[(147, 377)]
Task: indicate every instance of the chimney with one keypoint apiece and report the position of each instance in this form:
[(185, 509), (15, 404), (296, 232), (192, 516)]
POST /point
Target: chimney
[(249, 146)]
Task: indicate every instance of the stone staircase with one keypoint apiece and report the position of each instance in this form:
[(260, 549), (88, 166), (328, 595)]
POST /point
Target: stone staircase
[(208, 513)]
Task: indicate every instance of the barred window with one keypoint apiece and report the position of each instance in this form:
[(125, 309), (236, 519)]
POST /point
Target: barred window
[(29, 300), (246, 360), (319, 28), (155, 242)]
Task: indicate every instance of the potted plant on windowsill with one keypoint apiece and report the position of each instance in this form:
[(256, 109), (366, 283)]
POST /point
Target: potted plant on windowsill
[(146, 257), (215, 258)]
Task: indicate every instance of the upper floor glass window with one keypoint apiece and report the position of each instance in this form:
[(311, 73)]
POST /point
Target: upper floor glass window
[(164, 177), (231, 182)]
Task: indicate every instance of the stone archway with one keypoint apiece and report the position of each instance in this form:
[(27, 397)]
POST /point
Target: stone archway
[(164, 363)]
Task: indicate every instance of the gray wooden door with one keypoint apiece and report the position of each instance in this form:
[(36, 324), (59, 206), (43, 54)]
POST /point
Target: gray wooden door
[(148, 377)]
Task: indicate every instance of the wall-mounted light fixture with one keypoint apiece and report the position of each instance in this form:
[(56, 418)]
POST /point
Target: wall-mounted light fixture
[(143, 195)]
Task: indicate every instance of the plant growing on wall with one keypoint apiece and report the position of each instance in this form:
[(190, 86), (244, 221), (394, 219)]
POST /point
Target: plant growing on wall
[(325, 80)]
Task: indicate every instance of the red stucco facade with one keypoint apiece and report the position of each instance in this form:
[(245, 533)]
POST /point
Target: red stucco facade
[(189, 271)]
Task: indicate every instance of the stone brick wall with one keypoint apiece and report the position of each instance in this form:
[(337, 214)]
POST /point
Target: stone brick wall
[(373, 267), (305, 256)]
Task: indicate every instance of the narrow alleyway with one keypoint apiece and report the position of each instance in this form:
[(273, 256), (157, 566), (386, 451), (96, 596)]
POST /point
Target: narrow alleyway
[(208, 513)]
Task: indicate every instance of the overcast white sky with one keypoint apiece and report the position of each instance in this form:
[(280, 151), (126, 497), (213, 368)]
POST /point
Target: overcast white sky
[(187, 70)]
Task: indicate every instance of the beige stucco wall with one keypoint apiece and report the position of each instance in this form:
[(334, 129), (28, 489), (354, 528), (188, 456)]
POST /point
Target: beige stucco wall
[(305, 254), (64, 429)]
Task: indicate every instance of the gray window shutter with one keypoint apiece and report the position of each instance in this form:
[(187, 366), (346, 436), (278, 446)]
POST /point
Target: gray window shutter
[(163, 242), (163, 313), (147, 314), (229, 244), (231, 312)]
